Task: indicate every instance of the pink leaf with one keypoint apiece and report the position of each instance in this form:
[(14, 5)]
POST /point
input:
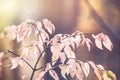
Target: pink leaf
[(96, 71), (1, 54), (40, 75), (39, 25), (69, 52), (49, 26), (88, 42), (1, 57), (43, 36), (98, 41), (48, 67), (78, 38), (41, 32), (86, 68), (55, 52), (53, 74), (79, 73), (72, 67), (63, 71), (22, 32), (14, 62), (107, 43), (63, 57), (56, 48), (11, 31), (100, 66), (102, 38)]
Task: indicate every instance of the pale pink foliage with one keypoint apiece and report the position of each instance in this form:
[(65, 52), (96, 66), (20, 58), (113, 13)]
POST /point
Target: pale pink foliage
[(85, 68), (64, 71), (53, 74), (16, 62), (1, 58), (100, 66), (40, 75), (22, 32), (103, 39), (88, 43), (62, 47), (1, 55), (49, 26), (11, 31), (40, 32), (71, 67), (79, 72), (78, 38)]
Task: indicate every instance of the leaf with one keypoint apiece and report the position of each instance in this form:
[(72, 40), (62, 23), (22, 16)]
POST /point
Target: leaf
[(40, 75), (14, 62), (39, 25), (100, 66), (102, 38), (67, 40), (107, 43), (22, 32), (56, 48), (48, 66), (63, 71), (105, 76), (55, 53), (43, 35), (53, 74), (88, 42), (11, 31), (86, 68), (63, 57), (111, 75), (98, 42), (1, 54), (96, 71), (1, 57), (49, 26), (79, 73), (71, 67), (69, 52), (78, 36), (23, 77)]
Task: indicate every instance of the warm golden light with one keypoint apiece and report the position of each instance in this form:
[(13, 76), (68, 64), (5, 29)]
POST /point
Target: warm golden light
[(7, 6), (7, 11)]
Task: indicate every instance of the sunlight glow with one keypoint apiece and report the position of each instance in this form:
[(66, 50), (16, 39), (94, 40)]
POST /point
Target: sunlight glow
[(8, 10), (7, 6)]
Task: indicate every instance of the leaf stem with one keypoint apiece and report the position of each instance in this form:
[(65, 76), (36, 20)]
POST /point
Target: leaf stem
[(34, 69), (22, 59), (13, 53)]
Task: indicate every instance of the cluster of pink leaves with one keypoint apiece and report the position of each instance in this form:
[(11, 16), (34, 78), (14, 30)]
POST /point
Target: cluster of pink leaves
[(29, 48), (62, 47)]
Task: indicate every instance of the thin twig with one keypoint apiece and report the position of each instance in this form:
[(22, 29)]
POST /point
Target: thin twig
[(13, 53), (34, 69), (28, 64), (22, 59)]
